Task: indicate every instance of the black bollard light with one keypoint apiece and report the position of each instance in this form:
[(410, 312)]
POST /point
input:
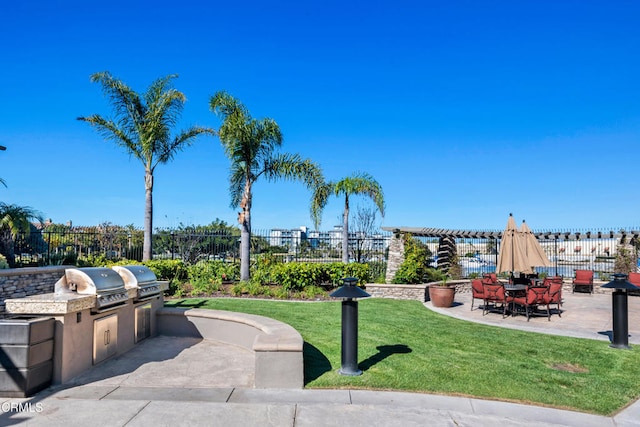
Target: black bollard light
[(349, 356), (620, 309)]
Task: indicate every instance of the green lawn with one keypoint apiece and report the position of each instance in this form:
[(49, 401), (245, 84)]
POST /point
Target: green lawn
[(403, 346)]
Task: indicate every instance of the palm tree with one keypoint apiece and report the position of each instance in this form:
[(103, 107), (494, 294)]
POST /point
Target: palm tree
[(143, 128), (251, 146), (358, 184), (14, 220)]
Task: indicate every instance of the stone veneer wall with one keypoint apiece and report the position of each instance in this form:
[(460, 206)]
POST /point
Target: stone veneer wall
[(421, 292), (410, 292), (22, 282)]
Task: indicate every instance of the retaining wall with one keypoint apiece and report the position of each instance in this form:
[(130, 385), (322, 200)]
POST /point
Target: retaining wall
[(277, 346)]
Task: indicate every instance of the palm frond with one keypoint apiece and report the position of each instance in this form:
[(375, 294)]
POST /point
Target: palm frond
[(184, 139), (110, 130), (17, 219), (237, 180), (127, 105), (319, 200), (293, 167)]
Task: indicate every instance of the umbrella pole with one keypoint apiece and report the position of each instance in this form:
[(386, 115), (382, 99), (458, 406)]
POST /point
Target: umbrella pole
[(556, 249)]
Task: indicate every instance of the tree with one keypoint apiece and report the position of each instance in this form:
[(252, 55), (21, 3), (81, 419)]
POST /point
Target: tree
[(358, 184), (217, 240), (15, 220), (251, 145), (364, 225), (143, 128)]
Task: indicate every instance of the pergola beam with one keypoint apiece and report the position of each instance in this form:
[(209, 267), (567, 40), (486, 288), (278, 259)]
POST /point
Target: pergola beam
[(495, 234)]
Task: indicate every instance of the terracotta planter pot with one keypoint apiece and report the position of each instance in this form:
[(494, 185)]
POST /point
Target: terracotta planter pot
[(442, 296)]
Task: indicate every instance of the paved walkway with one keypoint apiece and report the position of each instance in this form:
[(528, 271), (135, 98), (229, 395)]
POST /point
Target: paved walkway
[(168, 381)]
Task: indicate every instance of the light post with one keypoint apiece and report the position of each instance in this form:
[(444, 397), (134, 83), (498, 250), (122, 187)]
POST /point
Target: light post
[(620, 310), (349, 355)]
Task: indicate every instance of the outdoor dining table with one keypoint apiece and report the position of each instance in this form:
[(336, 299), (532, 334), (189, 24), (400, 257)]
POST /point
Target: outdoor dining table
[(513, 291)]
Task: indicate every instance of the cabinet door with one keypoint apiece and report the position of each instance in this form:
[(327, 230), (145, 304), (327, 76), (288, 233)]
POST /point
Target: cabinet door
[(105, 338), (143, 322)]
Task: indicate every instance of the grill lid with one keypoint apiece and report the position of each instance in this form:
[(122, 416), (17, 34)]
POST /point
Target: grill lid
[(135, 276), (91, 280)]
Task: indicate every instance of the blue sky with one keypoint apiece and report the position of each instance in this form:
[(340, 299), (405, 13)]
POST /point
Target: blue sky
[(464, 111)]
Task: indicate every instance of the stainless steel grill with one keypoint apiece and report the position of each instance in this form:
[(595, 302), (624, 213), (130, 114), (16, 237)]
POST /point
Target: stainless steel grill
[(140, 278), (104, 283)]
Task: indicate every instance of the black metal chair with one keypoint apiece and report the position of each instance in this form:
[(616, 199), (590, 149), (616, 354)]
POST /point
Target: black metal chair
[(493, 295), (534, 297)]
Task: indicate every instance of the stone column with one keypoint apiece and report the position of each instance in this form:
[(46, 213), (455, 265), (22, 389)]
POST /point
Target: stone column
[(396, 256)]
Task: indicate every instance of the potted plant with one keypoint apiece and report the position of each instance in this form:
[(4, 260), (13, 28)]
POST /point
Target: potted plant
[(441, 293)]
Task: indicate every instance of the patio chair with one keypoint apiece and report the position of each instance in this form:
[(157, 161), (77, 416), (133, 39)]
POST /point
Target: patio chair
[(491, 276), (550, 279), (634, 278), (534, 297), (477, 290), (583, 280), (493, 295), (554, 296)]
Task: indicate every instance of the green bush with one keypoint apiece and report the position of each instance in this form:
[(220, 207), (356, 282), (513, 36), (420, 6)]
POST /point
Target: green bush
[(281, 293), (414, 266), (296, 276), (434, 275), (3, 262), (99, 260), (64, 258), (313, 292), (168, 269), (206, 277)]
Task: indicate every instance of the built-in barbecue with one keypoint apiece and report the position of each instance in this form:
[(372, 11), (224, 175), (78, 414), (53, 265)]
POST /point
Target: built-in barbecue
[(140, 278), (105, 283)]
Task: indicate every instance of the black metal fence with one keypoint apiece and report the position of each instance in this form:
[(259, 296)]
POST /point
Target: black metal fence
[(41, 248), (567, 250)]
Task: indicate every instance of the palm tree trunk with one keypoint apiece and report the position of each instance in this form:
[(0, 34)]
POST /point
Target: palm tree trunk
[(244, 218), (245, 240), (147, 248), (345, 231)]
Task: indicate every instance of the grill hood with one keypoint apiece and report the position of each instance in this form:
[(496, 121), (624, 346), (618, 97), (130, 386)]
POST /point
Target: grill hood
[(89, 281)]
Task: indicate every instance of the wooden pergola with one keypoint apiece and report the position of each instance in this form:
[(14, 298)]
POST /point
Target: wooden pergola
[(493, 234)]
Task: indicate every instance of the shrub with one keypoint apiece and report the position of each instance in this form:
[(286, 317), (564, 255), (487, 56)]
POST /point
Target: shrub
[(313, 292), (280, 293), (435, 275), (64, 258), (168, 269), (99, 260), (626, 259), (414, 266), (3, 262), (300, 275), (296, 276), (237, 289)]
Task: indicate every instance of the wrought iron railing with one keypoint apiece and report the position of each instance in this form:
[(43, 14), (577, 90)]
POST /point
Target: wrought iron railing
[(477, 251)]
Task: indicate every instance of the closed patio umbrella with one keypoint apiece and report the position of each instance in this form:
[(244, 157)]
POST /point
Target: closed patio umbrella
[(511, 257), (533, 252)]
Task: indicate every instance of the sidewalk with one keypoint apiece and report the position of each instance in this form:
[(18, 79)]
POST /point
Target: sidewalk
[(184, 381)]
